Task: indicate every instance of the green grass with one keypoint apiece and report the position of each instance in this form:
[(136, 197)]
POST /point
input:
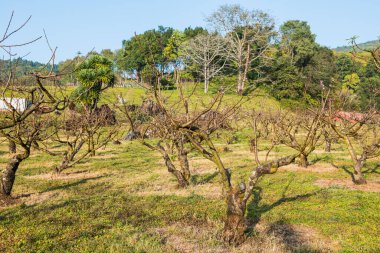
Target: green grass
[(107, 212), (124, 200)]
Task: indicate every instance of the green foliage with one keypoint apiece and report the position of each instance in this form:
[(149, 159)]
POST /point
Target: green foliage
[(172, 50), (150, 73), (371, 70), (95, 74), (67, 70), (148, 49), (21, 68), (351, 82), (302, 69), (369, 93), (190, 32), (345, 66), (286, 83), (167, 84), (366, 45), (298, 41)]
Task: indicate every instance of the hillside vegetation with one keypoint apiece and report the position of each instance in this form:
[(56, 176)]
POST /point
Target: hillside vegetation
[(365, 45)]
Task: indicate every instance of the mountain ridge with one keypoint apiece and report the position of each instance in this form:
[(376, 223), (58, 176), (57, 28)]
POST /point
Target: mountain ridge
[(365, 45)]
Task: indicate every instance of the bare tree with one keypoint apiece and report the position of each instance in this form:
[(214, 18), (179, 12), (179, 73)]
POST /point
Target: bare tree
[(7, 47), (207, 53), (199, 135), (237, 195), (300, 130), (29, 111), (329, 136), (248, 35), (76, 129), (26, 134), (178, 141), (360, 132)]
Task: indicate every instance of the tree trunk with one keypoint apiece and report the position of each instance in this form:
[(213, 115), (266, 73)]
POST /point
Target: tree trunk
[(69, 155), (206, 86), (246, 68), (358, 175), (63, 166), (303, 162), (181, 179), (183, 160), (234, 226), (205, 73), (240, 85), (12, 147), (91, 146), (328, 140), (328, 146), (9, 175)]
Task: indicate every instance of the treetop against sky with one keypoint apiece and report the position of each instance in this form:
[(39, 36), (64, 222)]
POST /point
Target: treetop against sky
[(75, 26)]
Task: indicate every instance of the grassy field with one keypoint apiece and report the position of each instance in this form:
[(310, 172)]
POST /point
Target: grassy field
[(124, 200)]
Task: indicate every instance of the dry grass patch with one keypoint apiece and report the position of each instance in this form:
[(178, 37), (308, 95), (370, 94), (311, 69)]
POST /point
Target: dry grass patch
[(84, 174), (36, 198), (206, 191), (30, 199), (317, 168), (296, 238), (268, 238), (7, 201)]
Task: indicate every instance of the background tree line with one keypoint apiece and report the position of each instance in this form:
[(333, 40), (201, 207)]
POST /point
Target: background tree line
[(242, 48)]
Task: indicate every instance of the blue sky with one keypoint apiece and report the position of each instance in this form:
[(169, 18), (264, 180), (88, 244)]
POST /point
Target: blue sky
[(81, 25)]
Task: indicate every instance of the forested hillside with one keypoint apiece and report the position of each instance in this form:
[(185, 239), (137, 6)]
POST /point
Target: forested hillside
[(22, 66), (366, 45)]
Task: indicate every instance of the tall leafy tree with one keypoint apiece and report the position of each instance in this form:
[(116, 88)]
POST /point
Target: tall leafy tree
[(173, 52), (133, 58), (190, 32), (302, 68), (298, 42), (146, 50), (344, 66)]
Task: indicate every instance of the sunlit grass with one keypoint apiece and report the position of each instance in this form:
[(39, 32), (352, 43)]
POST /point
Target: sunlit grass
[(119, 199)]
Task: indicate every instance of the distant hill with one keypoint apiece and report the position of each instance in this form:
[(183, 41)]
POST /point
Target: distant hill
[(365, 45), (22, 66)]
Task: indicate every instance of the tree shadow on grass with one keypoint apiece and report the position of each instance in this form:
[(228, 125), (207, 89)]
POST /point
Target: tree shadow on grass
[(203, 179), (347, 170), (374, 170), (76, 183), (321, 158), (286, 233), (295, 240), (255, 210)]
